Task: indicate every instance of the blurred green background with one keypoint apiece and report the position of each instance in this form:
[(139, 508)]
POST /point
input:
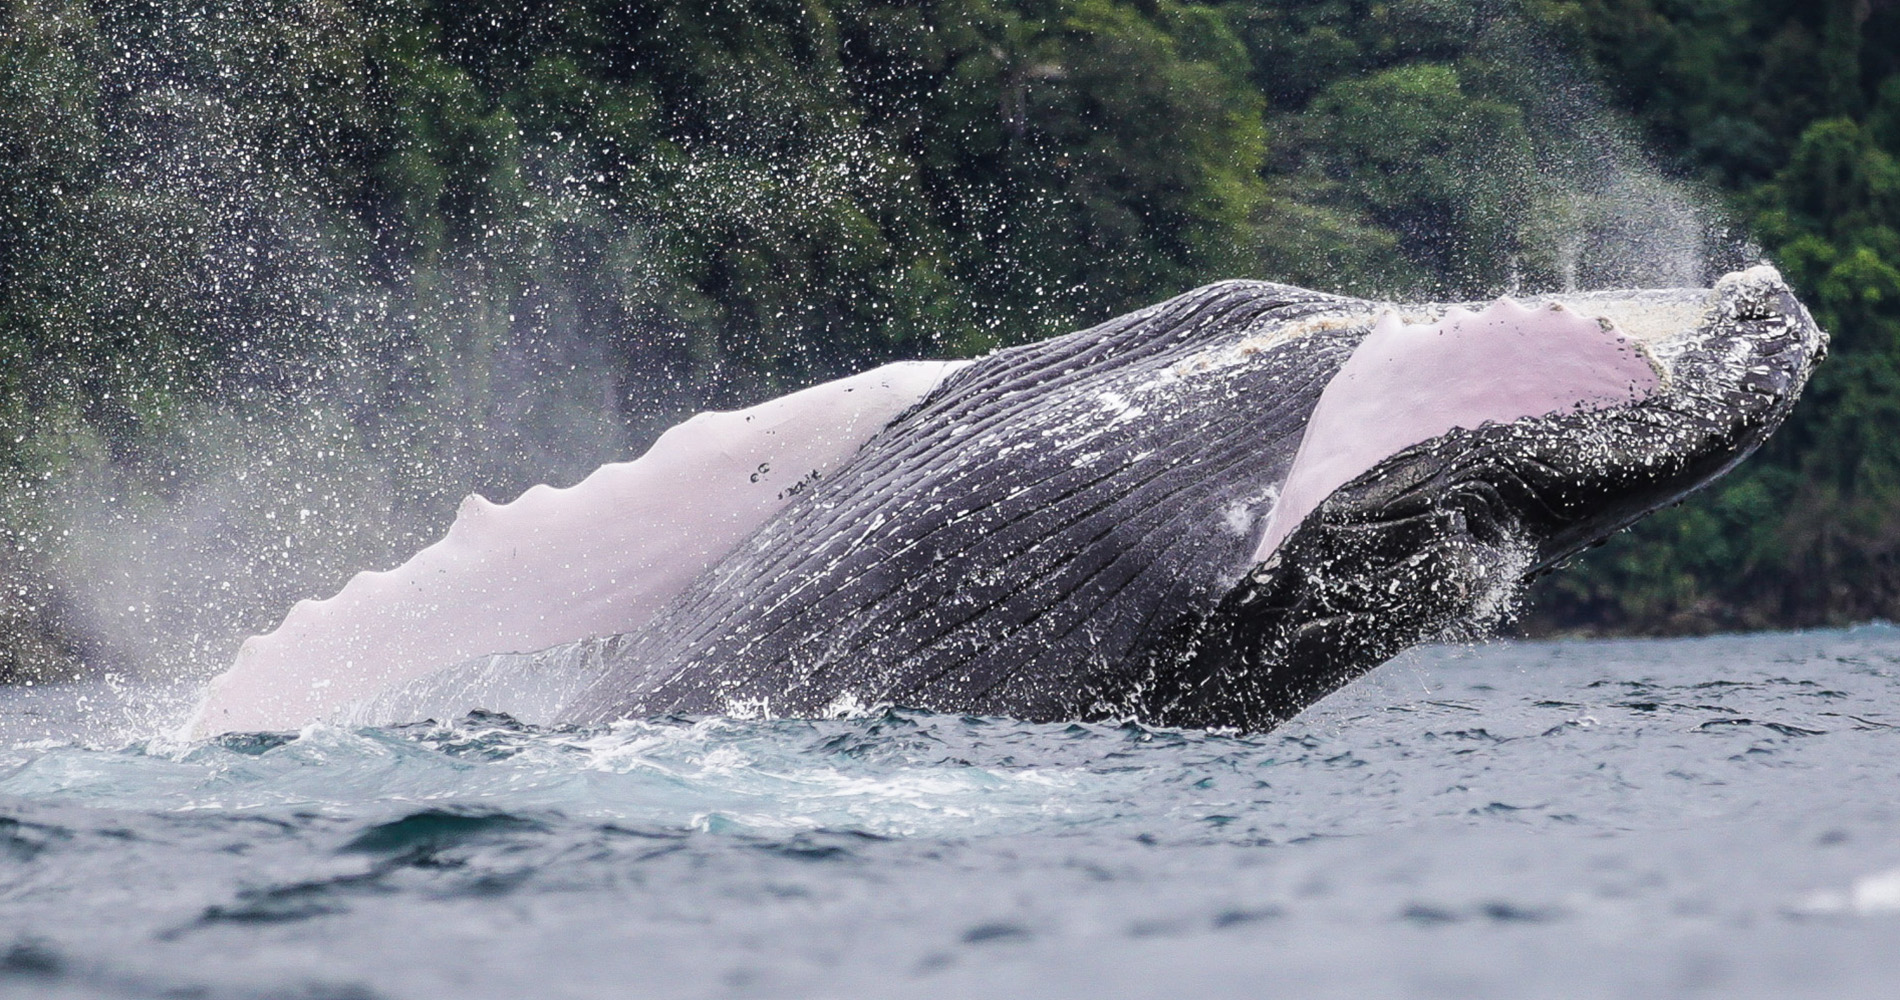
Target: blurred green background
[(278, 284)]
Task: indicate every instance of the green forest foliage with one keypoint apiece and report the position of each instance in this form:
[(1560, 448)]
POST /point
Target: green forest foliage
[(1792, 112), (280, 281)]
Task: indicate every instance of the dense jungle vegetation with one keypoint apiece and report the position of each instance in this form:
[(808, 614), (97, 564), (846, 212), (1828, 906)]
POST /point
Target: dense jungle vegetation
[(279, 281)]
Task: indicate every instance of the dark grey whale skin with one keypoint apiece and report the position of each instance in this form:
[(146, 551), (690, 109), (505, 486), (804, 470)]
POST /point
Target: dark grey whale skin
[(973, 557)]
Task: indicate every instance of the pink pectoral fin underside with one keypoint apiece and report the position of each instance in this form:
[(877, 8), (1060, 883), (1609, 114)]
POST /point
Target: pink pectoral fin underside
[(1408, 383), (556, 565)]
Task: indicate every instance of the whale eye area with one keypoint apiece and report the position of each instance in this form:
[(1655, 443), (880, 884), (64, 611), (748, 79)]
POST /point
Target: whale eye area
[(1407, 383)]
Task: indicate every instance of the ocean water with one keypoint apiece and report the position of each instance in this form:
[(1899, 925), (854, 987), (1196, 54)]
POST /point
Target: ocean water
[(1708, 817)]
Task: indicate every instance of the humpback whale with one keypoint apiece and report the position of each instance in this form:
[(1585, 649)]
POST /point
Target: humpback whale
[(1209, 512)]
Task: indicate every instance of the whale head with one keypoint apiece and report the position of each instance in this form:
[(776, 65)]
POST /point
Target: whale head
[(1460, 451)]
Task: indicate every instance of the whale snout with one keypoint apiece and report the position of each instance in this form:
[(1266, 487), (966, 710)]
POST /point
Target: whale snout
[(1779, 344), (1524, 433)]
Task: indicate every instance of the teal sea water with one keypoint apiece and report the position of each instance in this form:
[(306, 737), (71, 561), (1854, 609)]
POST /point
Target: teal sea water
[(1708, 817)]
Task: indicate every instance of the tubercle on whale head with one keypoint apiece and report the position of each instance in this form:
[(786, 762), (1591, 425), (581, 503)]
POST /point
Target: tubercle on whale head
[(1438, 536)]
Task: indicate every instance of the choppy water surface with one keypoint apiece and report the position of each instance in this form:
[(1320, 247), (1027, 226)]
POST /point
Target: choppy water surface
[(1716, 816)]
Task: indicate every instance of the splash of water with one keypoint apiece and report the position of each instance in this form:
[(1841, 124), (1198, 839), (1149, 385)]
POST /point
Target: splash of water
[(366, 399)]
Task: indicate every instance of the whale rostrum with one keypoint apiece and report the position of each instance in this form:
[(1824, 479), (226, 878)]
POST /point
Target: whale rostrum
[(1209, 512)]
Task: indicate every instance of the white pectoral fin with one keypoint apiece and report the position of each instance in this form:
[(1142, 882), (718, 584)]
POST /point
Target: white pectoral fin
[(556, 565)]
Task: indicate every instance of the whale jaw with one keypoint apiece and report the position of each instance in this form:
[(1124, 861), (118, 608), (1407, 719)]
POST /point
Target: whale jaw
[(1437, 539)]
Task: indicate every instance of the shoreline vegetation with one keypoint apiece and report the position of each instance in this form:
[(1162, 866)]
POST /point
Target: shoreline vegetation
[(278, 285)]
